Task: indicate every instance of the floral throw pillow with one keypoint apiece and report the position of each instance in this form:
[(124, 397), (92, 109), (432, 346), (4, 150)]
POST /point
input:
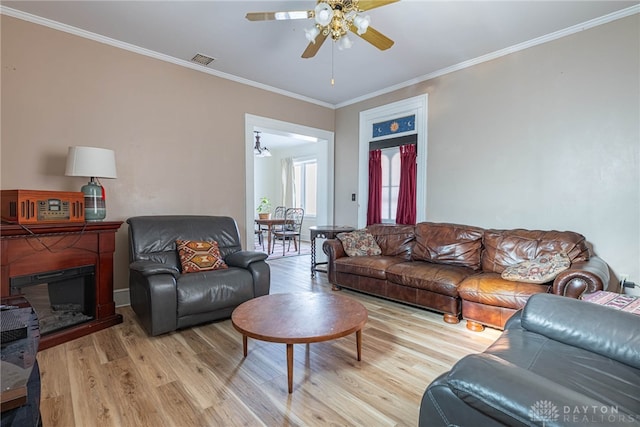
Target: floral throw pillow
[(199, 256), (543, 269), (359, 243)]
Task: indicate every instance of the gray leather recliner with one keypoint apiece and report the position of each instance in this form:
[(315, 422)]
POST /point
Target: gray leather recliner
[(559, 362), (163, 298)]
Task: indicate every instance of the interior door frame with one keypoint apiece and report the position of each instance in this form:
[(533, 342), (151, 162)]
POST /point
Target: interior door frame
[(325, 189), (411, 106)]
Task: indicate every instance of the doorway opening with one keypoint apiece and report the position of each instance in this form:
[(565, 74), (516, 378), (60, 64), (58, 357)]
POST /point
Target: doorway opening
[(324, 154)]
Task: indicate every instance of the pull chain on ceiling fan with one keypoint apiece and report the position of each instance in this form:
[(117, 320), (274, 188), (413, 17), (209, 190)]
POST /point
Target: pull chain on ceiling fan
[(334, 18)]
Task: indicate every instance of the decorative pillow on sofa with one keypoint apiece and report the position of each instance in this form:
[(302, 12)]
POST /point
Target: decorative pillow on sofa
[(199, 256), (543, 269), (359, 243)]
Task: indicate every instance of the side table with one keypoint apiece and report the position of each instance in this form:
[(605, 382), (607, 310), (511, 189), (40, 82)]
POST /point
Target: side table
[(324, 232)]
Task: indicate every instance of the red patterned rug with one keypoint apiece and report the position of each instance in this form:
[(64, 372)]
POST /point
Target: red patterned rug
[(305, 249), (622, 302)]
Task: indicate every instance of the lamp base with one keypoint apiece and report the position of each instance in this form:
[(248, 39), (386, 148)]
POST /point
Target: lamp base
[(95, 208)]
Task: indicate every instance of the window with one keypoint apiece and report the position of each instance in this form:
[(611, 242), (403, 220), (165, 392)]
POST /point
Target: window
[(390, 183), (306, 185)]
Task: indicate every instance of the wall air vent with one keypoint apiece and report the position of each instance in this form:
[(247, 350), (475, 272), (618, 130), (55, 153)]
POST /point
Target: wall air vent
[(202, 59)]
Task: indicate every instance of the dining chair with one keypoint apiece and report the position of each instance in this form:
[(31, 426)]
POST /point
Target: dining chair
[(258, 231), (290, 230), (279, 212)]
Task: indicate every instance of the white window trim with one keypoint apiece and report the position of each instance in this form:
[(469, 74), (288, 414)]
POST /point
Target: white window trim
[(303, 161)]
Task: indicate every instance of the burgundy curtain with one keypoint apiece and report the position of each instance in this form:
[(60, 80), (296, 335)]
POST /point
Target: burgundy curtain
[(374, 208), (406, 213)]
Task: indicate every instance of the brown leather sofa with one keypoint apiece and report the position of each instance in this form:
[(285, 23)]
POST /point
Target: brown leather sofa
[(456, 269)]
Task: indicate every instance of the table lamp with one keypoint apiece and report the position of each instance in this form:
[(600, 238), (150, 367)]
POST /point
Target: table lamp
[(93, 163)]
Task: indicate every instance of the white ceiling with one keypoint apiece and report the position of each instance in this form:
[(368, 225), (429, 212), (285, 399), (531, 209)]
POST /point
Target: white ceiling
[(431, 38)]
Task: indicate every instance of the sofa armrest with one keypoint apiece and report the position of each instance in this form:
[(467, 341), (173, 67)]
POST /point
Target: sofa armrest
[(149, 268), (587, 276), (514, 322), (603, 330), (333, 249), (242, 259), (509, 393), (254, 261), (153, 296)]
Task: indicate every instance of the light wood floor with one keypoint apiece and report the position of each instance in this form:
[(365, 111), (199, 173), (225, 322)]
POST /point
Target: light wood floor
[(198, 377)]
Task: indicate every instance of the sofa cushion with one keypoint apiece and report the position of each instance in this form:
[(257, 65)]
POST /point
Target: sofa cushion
[(505, 248), (438, 278), (542, 269), (491, 289), (196, 255), (394, 240), (211, 290), (359, 243), (450, 244), (368, 266)]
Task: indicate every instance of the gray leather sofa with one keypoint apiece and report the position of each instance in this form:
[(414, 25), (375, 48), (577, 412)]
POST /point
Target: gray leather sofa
[(559, 362), (163, 298)]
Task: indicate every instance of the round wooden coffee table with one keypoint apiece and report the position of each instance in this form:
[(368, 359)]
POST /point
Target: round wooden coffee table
[(299, 318)]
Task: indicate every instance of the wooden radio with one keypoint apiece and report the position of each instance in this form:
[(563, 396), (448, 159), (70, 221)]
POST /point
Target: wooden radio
[(41, 207)]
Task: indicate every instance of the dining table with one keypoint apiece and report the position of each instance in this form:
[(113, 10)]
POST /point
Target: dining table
[(270, 223)]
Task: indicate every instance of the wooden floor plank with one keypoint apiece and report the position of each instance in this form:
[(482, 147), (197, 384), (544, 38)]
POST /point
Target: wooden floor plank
[(91, 396), (57, 411), (199, 377)]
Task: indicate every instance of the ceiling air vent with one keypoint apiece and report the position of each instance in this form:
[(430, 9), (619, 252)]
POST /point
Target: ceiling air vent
[(202, 59)]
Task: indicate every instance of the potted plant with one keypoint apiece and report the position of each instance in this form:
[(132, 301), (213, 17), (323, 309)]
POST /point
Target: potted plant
[(264, 208)]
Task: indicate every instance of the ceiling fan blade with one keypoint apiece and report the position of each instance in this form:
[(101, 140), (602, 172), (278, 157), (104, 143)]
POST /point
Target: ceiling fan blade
[(313, 48), (372, 4), (374, 37), (279, 16)]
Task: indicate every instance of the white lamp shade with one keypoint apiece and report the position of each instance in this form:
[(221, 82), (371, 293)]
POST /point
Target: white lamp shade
[(344, 43), (362, 23), (323, 13), (91, 162), (311, 34)]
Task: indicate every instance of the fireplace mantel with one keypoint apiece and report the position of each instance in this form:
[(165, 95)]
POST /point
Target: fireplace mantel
[(47, 247)]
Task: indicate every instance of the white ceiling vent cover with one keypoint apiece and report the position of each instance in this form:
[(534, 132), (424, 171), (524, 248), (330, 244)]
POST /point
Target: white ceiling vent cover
[(202, 59)]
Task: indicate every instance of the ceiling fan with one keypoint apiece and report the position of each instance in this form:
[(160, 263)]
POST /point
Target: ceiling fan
[(334, 18)]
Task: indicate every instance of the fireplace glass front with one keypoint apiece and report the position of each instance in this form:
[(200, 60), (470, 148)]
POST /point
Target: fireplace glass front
[(61, 298)]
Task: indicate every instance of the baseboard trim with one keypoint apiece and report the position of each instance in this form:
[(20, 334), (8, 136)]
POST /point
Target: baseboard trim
[(121, 297)]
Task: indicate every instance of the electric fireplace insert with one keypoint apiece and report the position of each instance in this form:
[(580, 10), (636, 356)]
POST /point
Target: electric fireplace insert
[(61, 298)]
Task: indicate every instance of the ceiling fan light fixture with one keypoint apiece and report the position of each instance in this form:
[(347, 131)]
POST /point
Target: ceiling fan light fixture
[(323, 14), (311, 34), (362, 23), (334, 19), (344, 43)]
